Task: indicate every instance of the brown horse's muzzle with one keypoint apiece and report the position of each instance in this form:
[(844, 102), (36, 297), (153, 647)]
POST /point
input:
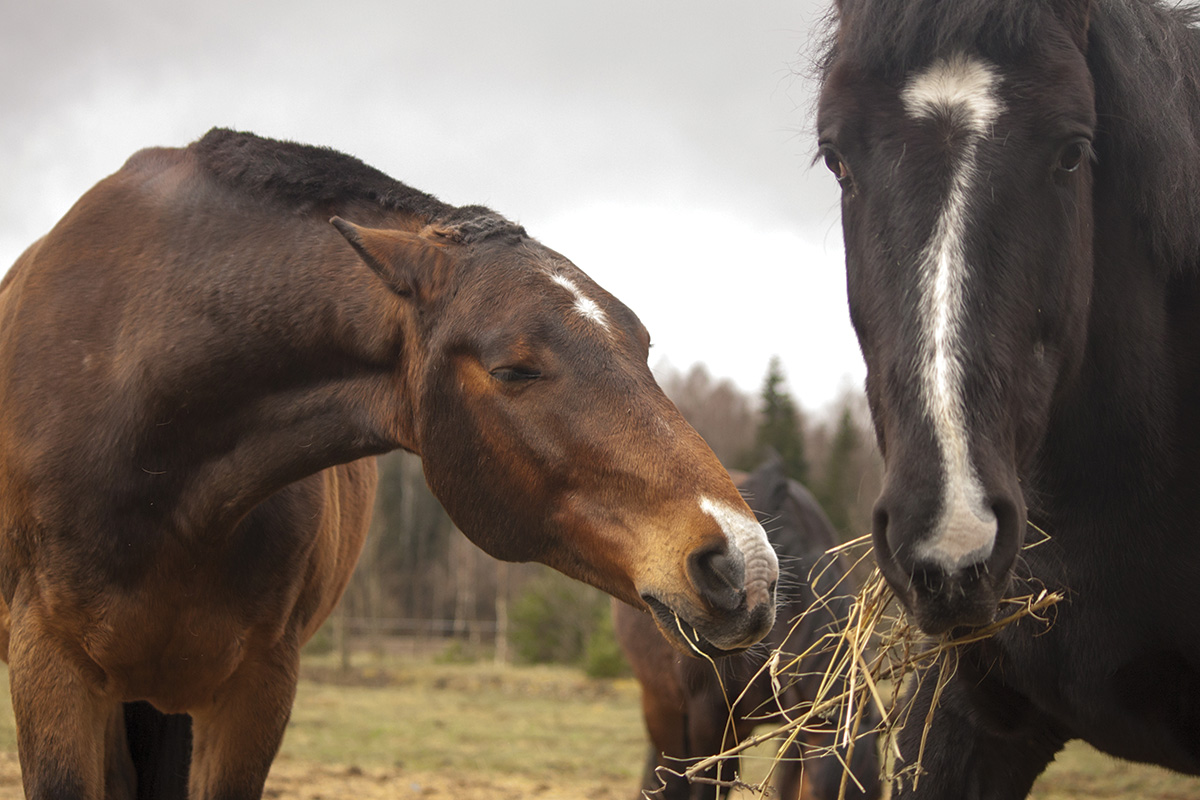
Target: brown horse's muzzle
[(729, 601), (709, 637)]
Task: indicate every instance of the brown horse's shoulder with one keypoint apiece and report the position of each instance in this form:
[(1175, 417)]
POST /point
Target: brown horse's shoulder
[(20, 265)]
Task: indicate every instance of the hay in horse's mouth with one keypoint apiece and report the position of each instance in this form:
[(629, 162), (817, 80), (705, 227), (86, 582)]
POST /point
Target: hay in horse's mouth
[(874, 652), (682, 634)]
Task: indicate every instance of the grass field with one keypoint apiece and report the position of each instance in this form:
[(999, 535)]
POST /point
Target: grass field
[(417, 729)]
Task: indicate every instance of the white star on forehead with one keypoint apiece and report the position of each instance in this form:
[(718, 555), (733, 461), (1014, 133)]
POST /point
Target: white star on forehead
[(584, 305), (966, 92)]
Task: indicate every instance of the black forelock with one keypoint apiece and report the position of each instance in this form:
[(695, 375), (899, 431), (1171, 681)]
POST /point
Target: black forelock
[(301, 175), (890, 37)]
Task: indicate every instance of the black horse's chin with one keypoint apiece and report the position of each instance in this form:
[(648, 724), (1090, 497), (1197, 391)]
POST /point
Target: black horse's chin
[(683, 635), (952, 604)]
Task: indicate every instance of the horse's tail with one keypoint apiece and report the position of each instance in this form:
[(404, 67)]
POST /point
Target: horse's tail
[(160, 746)]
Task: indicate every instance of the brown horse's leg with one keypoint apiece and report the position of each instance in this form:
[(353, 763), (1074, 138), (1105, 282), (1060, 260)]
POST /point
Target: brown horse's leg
[(709, 732), (666, 723), (792, 781), (235, 738), (61, 718), (824, 770), (120, 777)]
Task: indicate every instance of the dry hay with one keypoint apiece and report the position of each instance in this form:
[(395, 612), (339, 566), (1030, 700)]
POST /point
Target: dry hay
[(873, 653)]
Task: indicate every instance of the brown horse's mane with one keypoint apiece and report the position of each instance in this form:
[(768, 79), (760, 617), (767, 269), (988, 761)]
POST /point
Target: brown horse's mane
[(302, 176)]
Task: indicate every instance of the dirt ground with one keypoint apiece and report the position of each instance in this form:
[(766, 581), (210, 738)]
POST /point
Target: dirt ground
[(292, 780), (300, 780), (297, 780)]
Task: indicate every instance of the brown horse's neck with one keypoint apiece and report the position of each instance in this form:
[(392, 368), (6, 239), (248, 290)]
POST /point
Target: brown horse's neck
[(240, 348), (320, 364)]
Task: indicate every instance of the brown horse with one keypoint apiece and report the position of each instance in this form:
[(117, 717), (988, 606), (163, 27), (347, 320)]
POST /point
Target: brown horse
[(195, 369), (684, 701)]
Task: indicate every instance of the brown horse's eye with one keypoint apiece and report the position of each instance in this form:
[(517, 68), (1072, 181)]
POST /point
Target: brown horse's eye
[(515, 374), (1072, 155)]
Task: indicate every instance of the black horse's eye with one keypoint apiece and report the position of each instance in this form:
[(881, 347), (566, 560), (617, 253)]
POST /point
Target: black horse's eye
[(1072, 155), (838, 167), (515, 374)]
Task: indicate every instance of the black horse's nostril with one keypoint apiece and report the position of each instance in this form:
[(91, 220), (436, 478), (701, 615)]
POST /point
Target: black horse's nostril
[(719, 577), (879, 524)]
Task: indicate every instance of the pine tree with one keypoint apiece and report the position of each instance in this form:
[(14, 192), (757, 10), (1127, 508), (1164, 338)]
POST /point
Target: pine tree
[(838, 489), (780, 425)]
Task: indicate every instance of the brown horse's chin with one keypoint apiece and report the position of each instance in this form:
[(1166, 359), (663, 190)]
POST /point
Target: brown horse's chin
[(682, 635)]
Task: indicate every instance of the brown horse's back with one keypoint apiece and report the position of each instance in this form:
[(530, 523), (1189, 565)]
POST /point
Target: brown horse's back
[(190, 352), (98, 354)]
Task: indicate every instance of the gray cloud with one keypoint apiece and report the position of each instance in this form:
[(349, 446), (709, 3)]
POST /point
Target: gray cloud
[(534, 107)]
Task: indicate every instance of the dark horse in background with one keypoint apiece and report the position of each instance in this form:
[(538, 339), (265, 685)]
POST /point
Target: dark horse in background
[(196, 368), (683, 703), (1021, 210)]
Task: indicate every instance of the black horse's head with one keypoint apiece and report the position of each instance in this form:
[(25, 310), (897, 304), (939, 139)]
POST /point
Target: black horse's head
[(961, 136)]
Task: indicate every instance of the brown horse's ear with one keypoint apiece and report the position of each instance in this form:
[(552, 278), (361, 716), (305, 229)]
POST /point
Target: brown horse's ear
[(1076, 16), (400, 258)]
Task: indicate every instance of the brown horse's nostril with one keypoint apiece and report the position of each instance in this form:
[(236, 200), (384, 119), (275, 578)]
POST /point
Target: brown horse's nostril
[(719, 577)]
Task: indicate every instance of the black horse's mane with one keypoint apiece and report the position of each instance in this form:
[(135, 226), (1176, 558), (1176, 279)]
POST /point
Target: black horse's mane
[(301, 175), (1145, 61)]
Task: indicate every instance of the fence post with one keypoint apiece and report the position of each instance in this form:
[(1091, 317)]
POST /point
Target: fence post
[(340, 640), (501, 612)]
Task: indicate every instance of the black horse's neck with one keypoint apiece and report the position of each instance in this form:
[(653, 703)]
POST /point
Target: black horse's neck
[(1115, 435), (1145, 63), (1113, 447)]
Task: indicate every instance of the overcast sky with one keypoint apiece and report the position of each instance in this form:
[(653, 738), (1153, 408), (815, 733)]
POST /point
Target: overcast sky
[(664, 147)]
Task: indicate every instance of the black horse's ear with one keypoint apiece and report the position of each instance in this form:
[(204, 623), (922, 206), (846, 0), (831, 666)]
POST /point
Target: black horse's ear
[(770, 482), (400, 258), (1076, 16)]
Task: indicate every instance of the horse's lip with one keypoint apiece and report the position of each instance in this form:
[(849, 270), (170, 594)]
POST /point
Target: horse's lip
[(682, 633), (952, 607), (936, 614)]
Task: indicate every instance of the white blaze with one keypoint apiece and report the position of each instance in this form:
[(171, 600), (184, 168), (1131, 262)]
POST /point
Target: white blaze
[(962, 93), (746, 536), (584, 306)]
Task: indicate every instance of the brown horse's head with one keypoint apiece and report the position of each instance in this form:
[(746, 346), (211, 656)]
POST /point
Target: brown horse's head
[(546, 438)]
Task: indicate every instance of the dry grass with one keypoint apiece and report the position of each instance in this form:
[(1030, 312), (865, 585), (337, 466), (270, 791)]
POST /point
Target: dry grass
[(874, 650), (405, 728)]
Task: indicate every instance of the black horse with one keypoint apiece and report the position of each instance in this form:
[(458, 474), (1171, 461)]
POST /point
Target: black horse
[(1021, 210), (685, 701)]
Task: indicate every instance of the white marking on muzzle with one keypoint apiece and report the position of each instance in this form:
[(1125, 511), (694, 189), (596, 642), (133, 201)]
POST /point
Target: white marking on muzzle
[(584, 305), (962, 92), (744, 535)]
